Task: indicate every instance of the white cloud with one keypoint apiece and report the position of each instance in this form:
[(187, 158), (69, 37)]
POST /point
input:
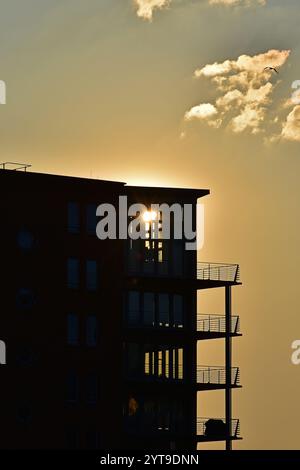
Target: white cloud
[(204, 112), (234, 3), (291, 127), (243, 89), (145, 8), (249, 118)]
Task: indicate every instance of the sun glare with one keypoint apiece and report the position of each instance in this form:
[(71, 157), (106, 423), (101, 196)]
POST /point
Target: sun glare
[(149, 216)]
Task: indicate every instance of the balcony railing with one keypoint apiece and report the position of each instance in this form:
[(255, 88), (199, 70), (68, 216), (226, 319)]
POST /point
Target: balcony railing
[(215, 375), (215, 429), (146, 319), (217, 323), (218, 272)]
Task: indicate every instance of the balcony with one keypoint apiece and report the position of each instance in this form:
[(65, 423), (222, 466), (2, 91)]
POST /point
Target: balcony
[(207, 377), (214, 326), (146, 320), (214, 377), (209, 429), (218, 274)]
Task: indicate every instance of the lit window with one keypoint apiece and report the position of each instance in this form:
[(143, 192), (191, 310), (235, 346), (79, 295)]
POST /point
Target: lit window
[(91, 275), (73, 217), (72, 329), (73, 273), (91, 331)]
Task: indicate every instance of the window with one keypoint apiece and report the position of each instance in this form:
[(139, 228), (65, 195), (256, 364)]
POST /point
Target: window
[(91, 331), (149, 309), (134, 365), (24, 414), (72, 438), (72, 387), (92, 389), (91, 219), (24, 356), (154, 309), (91, 275), (133, 308), (92, 440), (73, 273), (72, 329), (73, 217), (177, 257), (178, 363), (178, 311), (25, 299), (163, 309), (25, 240)]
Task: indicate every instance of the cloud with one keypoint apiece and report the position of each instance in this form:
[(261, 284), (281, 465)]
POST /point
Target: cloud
[(243, 90), (234, 3), (204, 111), (146, 8), (291, 127)]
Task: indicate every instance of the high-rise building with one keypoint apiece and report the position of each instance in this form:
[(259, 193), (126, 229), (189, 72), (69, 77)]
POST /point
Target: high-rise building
[(101, 335)]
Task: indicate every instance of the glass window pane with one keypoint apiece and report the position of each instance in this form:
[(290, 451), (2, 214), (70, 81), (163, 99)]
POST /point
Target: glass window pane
[(73, 273), (73, 329), (92, 389), (134, 364), (92, 440), (163, 309), (133, 313), (91, 275), (91, 331), (149, 309), (72, 387), (73, 217), (177, 257), (178, 311), (91, 219)]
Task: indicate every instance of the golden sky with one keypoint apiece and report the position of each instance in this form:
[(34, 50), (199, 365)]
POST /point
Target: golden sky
[(175, 93)]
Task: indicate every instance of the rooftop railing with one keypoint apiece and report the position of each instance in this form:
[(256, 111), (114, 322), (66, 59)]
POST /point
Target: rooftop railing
[(211, 428), (15, 166), (215, 375), (217, 323), (218, 272)]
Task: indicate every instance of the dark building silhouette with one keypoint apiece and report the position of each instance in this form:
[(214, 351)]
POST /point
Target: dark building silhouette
[(101, 336)]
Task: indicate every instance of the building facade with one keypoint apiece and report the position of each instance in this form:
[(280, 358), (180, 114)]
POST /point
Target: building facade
[(102, 335)]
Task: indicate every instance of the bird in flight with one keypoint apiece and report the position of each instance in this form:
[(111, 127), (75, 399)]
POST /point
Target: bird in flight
[(271, 68)]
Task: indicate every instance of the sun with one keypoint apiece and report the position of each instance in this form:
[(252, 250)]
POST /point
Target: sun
[(149, 216)]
